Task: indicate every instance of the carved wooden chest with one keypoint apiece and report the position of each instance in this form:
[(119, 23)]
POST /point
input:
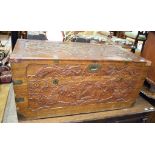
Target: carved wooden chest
[(54, 79)]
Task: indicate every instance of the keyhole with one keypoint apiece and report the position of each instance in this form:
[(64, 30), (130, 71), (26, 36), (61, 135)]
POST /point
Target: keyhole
[(55, 81)]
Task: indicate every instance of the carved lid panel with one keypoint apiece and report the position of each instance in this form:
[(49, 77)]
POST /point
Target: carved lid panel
[(40, 49)]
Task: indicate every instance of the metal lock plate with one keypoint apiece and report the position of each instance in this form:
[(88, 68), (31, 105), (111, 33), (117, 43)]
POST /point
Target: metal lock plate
[(56, 61), (94, 68)]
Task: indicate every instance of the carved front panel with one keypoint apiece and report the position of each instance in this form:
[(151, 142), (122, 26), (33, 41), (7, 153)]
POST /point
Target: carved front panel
[(70, 85)]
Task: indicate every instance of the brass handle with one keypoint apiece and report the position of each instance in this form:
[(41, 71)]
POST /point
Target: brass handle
[(94, 68)]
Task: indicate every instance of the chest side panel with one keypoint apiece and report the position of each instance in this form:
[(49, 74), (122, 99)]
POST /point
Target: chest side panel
[(61, 85)]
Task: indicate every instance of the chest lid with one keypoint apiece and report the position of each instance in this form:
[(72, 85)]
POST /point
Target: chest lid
[(47, 50)]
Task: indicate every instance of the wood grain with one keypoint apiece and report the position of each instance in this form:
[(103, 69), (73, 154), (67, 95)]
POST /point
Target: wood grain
[(139, 107), (4, 91), (46, 50), (149, 53), (58, 78), (10, 114)]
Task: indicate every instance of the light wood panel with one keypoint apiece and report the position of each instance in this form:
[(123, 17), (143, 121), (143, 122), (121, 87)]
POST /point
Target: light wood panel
[(4, 91)]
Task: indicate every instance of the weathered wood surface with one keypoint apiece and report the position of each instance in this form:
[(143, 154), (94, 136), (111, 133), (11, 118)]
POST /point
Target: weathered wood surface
[(43, 50), (55, 79), (140, 106)]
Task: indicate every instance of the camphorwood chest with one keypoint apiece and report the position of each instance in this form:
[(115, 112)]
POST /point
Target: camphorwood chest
[(55, 79)]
